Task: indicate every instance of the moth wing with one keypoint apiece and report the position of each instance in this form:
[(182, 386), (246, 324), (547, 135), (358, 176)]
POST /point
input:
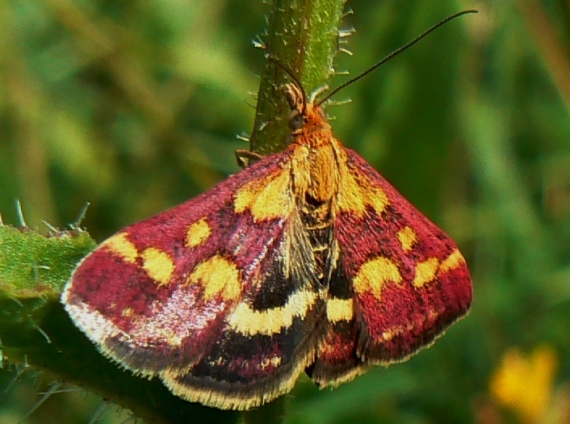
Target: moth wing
[(205, 294), (399, 283), (269, 337)]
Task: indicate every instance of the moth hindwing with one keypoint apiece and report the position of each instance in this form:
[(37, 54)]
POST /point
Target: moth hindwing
[(306, 260)]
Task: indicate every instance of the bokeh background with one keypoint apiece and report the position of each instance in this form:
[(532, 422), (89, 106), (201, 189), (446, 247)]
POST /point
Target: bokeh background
[(134, 106)]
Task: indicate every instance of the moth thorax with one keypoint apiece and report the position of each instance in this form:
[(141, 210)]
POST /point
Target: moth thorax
[(317, 208), (323, 173)]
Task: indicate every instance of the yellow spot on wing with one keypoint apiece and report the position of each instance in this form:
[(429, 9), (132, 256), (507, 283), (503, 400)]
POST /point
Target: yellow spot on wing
[(127, 312), (350, 196), (157, 265), (377, 199), (198, 233), (401, 329), (426, 271), (120, 245), (374, 274), (390, 334), (340, 310), (407, 237), (217, 275), (274, 361), (266, 199), (357, 192), (271, 321), (455, 260)]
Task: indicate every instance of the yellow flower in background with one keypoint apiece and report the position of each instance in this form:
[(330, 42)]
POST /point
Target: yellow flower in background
[(526, 383)]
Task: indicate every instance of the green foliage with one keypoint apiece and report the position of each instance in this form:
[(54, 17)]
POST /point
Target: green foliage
[(33, 268), (134, 106)]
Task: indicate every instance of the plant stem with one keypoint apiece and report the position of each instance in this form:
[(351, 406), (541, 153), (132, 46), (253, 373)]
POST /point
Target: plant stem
[(303, 36)]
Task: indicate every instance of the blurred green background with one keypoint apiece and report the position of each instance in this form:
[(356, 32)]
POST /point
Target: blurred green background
[(134, 106)]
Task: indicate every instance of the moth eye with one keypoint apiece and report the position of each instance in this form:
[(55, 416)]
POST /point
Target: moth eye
[(296, 120)]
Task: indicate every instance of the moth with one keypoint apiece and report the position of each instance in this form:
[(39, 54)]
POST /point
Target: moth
[(307, 260)]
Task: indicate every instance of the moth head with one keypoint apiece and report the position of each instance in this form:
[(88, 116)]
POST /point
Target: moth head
[(298, 105), (304, 112)]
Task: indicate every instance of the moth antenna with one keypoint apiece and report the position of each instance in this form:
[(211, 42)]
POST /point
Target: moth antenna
[(295, 80), (394, 53)]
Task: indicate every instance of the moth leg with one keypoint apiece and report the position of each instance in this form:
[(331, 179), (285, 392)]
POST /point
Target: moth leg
[(244, 157)]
